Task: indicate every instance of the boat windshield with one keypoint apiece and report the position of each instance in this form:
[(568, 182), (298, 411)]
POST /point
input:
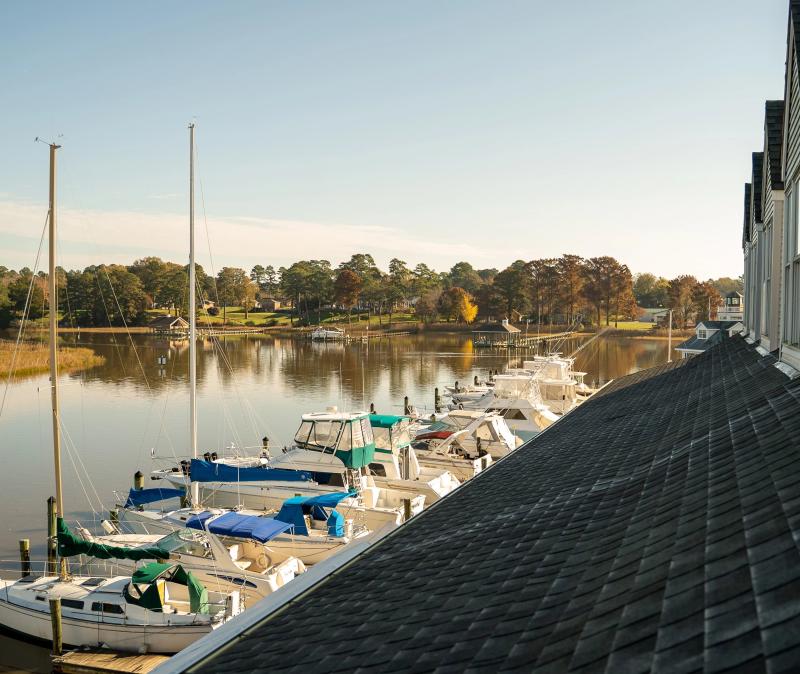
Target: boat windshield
[(186, 542), (321, 434)]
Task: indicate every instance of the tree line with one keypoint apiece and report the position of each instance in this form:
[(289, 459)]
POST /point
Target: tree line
[(562, 290)]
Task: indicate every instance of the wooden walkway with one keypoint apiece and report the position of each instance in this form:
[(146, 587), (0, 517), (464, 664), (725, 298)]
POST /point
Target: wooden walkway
[(523, 341), (97, 661)]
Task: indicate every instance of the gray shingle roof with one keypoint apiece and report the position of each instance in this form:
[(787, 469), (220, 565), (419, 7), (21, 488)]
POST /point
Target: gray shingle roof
[(773, 134), (697, 344), (757, 185), (746, 228), (166, 322), (655, 528)]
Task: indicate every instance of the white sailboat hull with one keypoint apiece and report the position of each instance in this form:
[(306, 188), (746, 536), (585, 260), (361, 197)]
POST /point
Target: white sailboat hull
[(33, 622)]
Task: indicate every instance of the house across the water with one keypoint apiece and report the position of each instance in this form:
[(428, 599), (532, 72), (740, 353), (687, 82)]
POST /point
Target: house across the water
[(708, 334), (732, 307)]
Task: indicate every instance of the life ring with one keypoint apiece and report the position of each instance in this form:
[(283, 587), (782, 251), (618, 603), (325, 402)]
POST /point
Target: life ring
[(263, 561)]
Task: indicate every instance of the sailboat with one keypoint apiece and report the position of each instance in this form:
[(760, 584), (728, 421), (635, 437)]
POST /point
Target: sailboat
[(161, 608)]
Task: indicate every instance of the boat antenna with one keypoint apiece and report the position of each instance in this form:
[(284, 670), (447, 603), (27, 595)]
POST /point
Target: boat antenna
[(195, 489), (53, 330)]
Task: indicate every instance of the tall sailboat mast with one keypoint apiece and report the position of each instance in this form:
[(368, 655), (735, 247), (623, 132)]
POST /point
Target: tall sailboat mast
[(53, 333), (195, 489)]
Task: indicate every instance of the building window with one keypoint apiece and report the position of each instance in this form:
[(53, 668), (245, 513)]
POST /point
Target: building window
[(702, 334)]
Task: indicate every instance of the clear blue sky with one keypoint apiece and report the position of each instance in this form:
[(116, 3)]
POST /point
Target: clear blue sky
[(432, 131)]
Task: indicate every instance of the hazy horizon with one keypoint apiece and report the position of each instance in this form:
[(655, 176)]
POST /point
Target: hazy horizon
[(475, 131)]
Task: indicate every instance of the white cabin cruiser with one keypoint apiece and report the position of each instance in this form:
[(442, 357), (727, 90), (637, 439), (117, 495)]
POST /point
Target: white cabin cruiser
[(516, 398), (162, 608), (329, 334), (487, 433), (330, 450), (396, 465)]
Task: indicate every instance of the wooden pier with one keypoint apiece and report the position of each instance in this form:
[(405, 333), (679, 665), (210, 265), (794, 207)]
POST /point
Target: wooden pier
[(519, 340), (376, 335), (102, 661)]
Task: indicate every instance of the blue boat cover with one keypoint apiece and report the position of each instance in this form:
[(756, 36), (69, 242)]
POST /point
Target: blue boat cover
[(261, 529), (293, 509), (336, 524), (137, 497), (198, 521), (208, 471)]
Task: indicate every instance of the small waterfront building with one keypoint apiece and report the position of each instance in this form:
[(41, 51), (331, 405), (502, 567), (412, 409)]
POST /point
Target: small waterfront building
[(169, 325), (732, 307), (657, 315), (269, 304), (708, 334), (496, 334)]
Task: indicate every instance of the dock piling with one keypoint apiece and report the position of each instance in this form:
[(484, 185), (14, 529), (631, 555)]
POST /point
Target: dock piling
[(138, 480), (406, 408), (52, 541), (406, 509), (372, 408), (25, 557), (437, 401), (55, 622)]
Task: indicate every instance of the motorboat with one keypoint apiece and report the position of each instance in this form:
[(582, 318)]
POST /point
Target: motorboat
[(328, 334), (396, 466), (488, 433), (329, 453), (161, 608)]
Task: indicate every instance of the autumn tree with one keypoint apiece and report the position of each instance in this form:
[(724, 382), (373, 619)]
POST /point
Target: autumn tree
[(510, 288), (681, 298), (231, 287), (598, 289), (427, 307), (706, 299), (346, 290), (571, 279)]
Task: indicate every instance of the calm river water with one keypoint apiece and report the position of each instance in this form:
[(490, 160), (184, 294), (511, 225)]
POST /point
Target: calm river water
[(116, 417)]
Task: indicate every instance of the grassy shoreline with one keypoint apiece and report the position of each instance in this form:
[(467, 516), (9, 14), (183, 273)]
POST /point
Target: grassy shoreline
[(35, 358)]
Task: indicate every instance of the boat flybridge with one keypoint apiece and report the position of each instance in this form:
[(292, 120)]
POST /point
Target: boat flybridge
[(330, 451), (396, 464)]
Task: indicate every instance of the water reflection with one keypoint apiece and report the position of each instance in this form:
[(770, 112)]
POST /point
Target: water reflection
[(135, 405)]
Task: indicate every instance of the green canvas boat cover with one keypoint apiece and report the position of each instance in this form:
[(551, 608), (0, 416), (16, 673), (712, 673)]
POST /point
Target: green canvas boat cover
[(144, 590), (70, 545), (385, 420)]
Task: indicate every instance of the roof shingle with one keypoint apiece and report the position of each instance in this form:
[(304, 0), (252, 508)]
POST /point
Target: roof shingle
[(655, 528)]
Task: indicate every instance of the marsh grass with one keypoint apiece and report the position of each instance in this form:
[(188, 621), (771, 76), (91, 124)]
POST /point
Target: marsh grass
[(34, 358)]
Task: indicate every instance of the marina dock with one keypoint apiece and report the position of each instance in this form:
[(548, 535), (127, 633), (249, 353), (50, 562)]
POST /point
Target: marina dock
[(96, 661)]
